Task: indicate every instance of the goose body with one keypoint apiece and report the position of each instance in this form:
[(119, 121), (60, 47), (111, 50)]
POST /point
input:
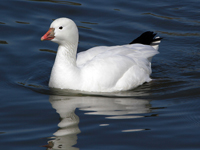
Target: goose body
[(102, 68)]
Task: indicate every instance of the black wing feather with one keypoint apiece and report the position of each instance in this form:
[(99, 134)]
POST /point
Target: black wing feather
[(146, 38)]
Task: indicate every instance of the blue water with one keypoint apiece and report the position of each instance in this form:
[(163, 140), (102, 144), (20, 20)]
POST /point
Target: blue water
[(162, 114)]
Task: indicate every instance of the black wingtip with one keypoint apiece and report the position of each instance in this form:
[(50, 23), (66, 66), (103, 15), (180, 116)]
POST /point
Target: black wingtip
[(146, 38)]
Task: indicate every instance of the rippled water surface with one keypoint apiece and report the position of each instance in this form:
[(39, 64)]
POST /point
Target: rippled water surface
[(162, 114)]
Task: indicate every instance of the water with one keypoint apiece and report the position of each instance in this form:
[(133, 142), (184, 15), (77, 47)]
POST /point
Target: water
[(162, 114)]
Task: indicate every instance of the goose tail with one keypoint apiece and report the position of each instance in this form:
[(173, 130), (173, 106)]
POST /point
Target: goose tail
[(148, 38)]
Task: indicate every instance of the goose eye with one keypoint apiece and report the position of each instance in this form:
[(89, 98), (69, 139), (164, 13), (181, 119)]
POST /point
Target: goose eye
[(60, 27)]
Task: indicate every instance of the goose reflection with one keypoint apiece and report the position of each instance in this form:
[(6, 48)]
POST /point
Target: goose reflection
[(112, 108)]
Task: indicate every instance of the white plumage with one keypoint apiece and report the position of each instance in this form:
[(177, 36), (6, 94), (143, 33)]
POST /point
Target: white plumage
[(99, 69)]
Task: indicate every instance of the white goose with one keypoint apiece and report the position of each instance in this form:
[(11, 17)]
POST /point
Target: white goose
[(102, 68)]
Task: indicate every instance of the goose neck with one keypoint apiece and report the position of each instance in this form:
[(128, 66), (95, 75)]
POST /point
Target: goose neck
[(66, 54)]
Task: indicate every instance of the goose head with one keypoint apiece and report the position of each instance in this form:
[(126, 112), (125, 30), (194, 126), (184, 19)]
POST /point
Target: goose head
[(62, 31)]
